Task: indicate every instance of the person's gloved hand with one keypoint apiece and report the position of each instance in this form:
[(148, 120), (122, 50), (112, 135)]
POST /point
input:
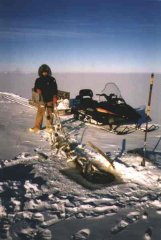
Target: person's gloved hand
[(38, 91), (38, 96), (55, 99)]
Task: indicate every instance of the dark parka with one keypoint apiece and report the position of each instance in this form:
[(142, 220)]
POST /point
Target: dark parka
[(47, 84)]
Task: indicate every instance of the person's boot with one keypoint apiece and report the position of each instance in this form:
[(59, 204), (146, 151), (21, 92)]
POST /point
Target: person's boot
[(38, 120), (34, 130)]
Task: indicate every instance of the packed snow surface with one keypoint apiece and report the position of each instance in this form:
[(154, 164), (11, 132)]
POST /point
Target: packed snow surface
[(42, 198)]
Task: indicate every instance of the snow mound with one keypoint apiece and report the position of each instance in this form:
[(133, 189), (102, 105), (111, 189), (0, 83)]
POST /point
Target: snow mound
[(13, 98)]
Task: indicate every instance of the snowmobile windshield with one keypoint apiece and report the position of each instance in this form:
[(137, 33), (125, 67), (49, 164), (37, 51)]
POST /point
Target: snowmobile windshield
[(110, 89)]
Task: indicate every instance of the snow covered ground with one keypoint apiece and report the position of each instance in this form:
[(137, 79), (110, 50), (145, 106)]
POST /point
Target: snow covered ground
[(40, 196)]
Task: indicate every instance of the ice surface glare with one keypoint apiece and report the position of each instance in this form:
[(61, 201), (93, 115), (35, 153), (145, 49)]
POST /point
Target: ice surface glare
[(131, 174), (138, 174)]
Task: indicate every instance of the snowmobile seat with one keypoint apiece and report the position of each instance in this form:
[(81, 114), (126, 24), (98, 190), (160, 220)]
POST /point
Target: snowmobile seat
[(84, 93), (86, 98)]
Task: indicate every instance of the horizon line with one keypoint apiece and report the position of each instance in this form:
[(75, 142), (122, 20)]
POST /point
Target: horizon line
[(80, 72)]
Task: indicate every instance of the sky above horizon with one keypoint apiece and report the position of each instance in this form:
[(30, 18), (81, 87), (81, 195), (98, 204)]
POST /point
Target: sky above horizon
[(81, 35)]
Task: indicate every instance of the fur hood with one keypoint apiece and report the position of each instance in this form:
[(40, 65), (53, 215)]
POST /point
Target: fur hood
[(44, 68)]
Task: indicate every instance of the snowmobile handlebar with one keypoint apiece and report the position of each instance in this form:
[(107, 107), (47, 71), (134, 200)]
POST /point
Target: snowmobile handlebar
[(103, 94), (112, 97), (108, 97)]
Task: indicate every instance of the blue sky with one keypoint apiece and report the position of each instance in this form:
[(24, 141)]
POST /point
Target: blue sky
[(81, 35)]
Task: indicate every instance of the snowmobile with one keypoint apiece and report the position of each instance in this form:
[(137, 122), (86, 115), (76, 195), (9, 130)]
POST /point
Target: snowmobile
[(111, 112)]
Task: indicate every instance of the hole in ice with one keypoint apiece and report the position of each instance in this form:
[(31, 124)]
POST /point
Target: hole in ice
[(91, 181)]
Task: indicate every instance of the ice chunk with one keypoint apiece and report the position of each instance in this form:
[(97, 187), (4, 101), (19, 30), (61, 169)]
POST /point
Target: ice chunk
[(81, 235), (120, 226)]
